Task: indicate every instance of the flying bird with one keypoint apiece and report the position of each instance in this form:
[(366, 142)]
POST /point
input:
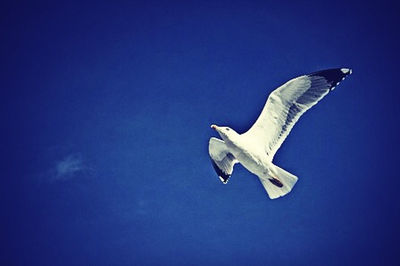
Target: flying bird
[(255, 149)]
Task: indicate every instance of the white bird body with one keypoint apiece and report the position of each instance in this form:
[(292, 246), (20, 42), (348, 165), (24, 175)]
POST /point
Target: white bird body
[(251, 156), (255, 149)]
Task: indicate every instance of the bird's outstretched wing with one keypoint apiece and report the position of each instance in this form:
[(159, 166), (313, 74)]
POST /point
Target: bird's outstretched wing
[(287, 103), (221, 159)]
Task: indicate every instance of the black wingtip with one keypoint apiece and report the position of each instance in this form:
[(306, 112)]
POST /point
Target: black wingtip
[(333, 76), (222, 176)]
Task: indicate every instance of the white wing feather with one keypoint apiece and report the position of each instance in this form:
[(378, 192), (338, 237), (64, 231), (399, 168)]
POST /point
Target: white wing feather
[(222, 160), (287, 103)]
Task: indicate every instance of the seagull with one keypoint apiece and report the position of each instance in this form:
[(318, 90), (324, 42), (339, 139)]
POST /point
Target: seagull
[(255, 149)]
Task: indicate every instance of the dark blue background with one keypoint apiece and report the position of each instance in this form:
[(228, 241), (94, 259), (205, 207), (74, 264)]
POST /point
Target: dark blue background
[(106, 109)]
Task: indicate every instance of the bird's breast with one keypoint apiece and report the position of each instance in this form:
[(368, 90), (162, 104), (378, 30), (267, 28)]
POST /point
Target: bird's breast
[(251, 161), (252, 157)]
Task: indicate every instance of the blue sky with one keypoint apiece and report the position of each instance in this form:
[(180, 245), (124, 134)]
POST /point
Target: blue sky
[(106, 112)]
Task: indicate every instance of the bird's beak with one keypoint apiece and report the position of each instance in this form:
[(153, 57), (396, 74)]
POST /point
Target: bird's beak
[(214, 127)]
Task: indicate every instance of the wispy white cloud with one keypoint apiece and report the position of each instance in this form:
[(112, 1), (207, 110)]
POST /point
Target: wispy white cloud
[(68, 167)]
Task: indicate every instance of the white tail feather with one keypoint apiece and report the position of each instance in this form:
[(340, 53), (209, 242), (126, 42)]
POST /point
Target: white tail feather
[(282, 182)]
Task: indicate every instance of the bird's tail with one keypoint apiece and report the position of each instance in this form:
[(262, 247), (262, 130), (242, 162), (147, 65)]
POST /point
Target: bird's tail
[(278, 183)]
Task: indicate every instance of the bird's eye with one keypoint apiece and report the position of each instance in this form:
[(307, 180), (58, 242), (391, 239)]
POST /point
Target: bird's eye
[(227, 129)]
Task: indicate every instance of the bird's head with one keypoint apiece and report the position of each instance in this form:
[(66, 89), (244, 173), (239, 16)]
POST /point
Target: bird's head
[(226, 133)]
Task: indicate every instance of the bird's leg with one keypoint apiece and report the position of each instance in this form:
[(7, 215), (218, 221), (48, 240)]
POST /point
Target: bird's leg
[(274, 180)]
